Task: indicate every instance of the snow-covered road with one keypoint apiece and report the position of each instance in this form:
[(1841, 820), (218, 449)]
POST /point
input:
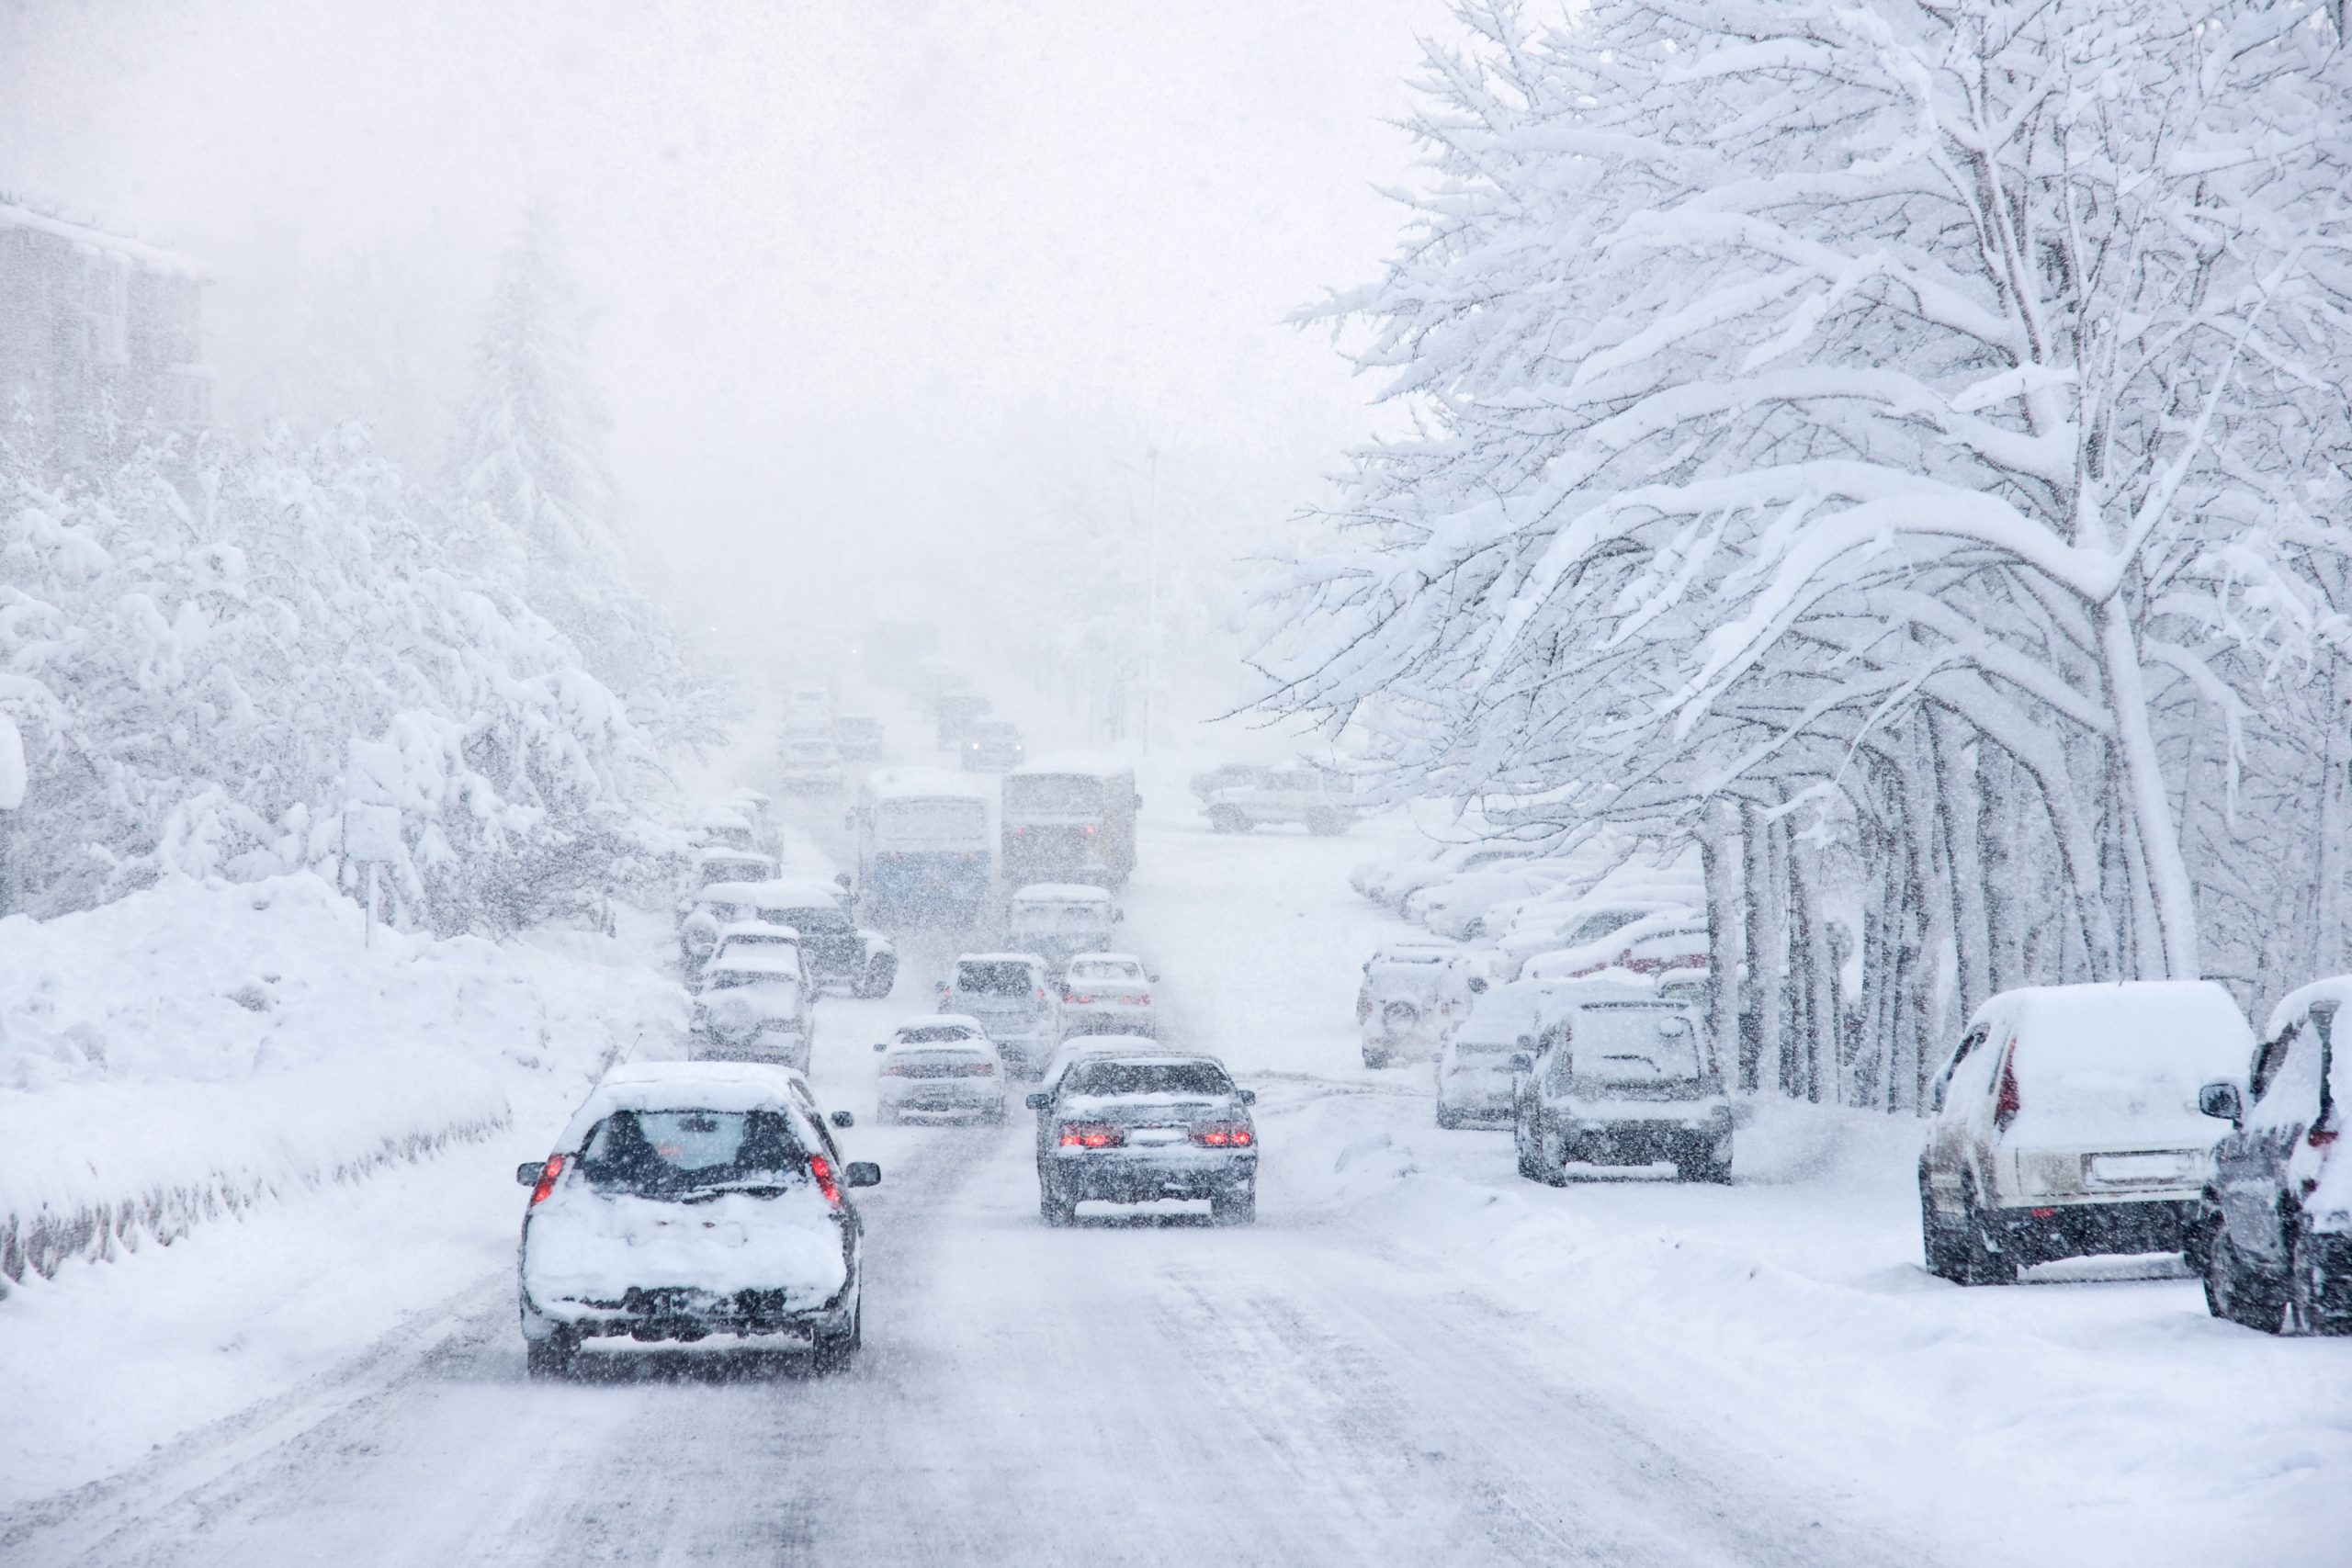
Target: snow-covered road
[(1413, 1357)]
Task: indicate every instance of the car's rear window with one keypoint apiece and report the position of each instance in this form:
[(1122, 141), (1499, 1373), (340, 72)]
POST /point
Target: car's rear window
[(1098, 969), (1148, 1078), (659, 1152), (1629, 1044), (933, 1033), (1042, 915), (727, 980), (811, 918), (1000, 978)]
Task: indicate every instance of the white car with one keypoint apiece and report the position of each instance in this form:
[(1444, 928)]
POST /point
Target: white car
[(939, 1065), (753, 1008), (809, 764), (684, 1200), (1107, 993), (743, 939), (1672, 938), (1415, 994), (1398, 880), (1474, 1070), (2068, 1121), (1458, 907)]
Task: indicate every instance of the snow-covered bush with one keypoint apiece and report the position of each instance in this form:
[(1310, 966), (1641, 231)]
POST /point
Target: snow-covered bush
[(1896, 445)]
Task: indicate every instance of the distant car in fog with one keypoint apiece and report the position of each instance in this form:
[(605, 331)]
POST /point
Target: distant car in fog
[(1107, 993), (1414, 995), (809, 764), (993, 745), (1057, 920), (1475, 1076), (754, 1007), (1009, 993), (1070, 817), (859, 737), (942, 1064), (684, 1199), (834, 949), (1140, 1127), (1621, 1076), (740, 939), (809, 703), (1320, 799)]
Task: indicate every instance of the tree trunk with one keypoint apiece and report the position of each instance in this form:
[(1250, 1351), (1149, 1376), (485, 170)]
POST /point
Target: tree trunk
[(2159, 839)]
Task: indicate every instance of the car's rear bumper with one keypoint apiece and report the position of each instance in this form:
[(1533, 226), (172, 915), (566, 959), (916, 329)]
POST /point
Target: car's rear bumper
[(2044, 1232), (1645, 1141), (944, 1098), (1106, 1021), (682, 1316), (1132, 1175)]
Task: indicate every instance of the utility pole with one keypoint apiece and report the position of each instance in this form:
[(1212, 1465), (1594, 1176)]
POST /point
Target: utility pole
[(1151, 591)]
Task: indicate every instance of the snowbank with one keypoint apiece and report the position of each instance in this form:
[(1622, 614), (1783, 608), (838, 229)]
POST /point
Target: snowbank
[(189, 1049)]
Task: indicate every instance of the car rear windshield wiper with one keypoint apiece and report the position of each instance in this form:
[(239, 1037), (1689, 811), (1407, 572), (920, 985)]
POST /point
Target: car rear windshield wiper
[(761, 1188)]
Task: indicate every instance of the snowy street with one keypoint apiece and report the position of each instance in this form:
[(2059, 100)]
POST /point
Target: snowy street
[(1414, 1356)]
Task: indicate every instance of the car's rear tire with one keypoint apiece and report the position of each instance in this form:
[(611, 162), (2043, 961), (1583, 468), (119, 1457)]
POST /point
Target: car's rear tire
[(1237, 1207), (834, 1352), (1449, 1119), (1326, 824), (1227, 820), (1983, 1259), (1717, 1169), (1551, 1157), (2238, 1294), (553, 1356), (1943, 1244), (1521, 1148), (2309, 1309), (875, 981), (1374, 1057), (1053, 1207)]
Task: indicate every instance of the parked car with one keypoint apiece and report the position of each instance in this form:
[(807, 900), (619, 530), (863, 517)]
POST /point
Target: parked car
[(1673, 937), (1622, 1078), (993, 745), (1007, 992), (724, 862), (753, 1007), (1412, 998), (809, 703), (939, 1065), (1107, 993), (1475, 1076), (1457, 906), (742, 938), (1058, 920), (2273, 1235), (2066, 1121), (834, 949), (1228, 775), (1320, 799), (811, 764), (1138, 1128), (1392, 882), (1581, 926), (683, 1200), (859, 738)]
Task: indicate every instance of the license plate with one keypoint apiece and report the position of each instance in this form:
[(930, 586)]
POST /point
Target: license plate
[(1157, 1135), (2139, 1168)]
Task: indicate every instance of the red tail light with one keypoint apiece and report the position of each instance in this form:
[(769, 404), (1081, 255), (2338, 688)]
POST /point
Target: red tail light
[(979, 1069), (1072, 996), (1225, 1135), (822, 1169), (2320, 1137), (2006, 1110), (1091, 1135), (547, 1179)]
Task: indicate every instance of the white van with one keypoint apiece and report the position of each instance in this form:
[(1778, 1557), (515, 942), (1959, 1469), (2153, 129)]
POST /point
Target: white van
[(2067, 1123)]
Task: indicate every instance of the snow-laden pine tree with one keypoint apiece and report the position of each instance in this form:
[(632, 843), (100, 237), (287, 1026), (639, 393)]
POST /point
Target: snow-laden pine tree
[(1915, 424)]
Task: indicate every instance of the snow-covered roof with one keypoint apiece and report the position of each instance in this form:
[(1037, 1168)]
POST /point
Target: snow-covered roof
[(713, 854), (1061, 893), (2336, 988), (1609, 985), (754, 961), (762, 929), (1093, 763), (153, 258), (1107, 958), (940, 1021), (999, 958), (801, 890), (922, 783), (772, 891), (682, 1086)]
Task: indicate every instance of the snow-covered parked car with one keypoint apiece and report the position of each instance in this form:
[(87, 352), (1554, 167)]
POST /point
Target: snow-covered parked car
[(1133, 1128), (1457, 906), (753, 1007), (1007, 992), (834, 949), (1058, 920), (2273, 1237), (1473, 1069), (809, 764), (859, 738), (1413, 996), (2066, 1121), (688, 1200), (1392, 882), (939, 1065), (1107, 993), (1622, 1077), (1321, 800), (1674, 938), (741, 938)]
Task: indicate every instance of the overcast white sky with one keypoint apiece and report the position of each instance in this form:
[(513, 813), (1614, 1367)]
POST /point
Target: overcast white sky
[(866, 273)]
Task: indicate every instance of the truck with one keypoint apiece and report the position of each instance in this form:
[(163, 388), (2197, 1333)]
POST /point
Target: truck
[(925, 856), (1070, 819)]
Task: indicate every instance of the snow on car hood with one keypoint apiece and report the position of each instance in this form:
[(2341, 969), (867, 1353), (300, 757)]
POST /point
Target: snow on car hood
[(589, 1246)]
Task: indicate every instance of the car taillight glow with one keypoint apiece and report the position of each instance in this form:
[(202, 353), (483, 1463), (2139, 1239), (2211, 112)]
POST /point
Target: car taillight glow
[(822, 1169), (1225, 1135), (979, 1069), (1091, 1135), (2320, 1137), (2006, 1110), (547, 1179), (1073, 996)]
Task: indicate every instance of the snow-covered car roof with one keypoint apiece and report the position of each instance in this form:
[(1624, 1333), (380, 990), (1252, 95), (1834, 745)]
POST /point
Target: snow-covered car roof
[(712, 854), (754, 961), (2336, 988), (801, 890), (1093, 764), (1414, 952), (922, 783), (759, 930), (1060, 892), (1105, 958), (684, 1085), (1609, 985), (941, 1021), (963, 958), (772, 891)]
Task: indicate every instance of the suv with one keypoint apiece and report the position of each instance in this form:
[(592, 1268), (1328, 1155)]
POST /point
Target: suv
[(993, 745), (834, 949), (2273, 1236), (1415, 994), (754, 1007), (1135, 1128), (690, 1199), (1621, 1076), (1323, 801), (2066, 1123), (1009, 993)]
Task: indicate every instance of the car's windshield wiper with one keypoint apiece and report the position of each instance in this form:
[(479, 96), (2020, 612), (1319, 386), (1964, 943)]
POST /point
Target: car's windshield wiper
[(763, 1187)]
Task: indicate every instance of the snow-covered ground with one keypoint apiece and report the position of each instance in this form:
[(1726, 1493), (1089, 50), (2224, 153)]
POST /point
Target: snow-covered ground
[(1414, 1357)]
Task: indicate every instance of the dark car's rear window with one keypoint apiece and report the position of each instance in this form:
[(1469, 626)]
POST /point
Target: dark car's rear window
[(1148, 1078), (657, 1152), (995, 980)]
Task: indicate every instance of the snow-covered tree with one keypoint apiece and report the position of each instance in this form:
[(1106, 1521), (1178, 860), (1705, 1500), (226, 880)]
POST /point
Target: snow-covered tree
[(1915, 424)]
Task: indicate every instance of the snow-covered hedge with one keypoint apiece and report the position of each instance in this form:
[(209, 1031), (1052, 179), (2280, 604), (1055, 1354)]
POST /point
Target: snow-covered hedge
[(193, 1047)]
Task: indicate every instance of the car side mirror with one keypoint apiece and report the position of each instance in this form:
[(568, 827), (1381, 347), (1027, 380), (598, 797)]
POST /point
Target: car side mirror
[(1520, 1062), (1247, 1096), (1150, 976), (530, 1173), (2221, 1100), (881, 1045), (844, 1118), (1036, 1102), (862, 1173), (1477, 986)]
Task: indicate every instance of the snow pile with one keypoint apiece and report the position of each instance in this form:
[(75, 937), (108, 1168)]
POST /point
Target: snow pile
[(190, 1048)]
